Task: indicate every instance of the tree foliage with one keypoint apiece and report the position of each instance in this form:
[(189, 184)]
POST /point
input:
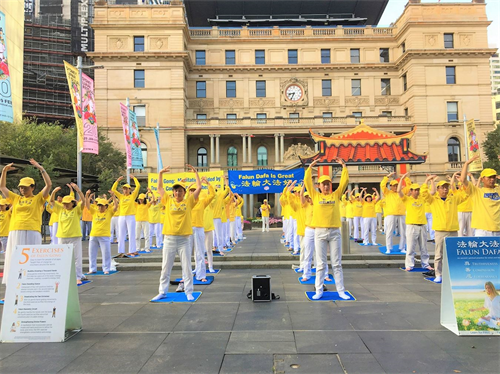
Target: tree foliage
[(491, 148), (54, 146)]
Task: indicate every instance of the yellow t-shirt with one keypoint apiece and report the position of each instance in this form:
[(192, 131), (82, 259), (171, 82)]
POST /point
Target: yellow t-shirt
[(309, 214), (444, 212), (86, 216), (69, 221), (343, 208), (326, 207), (378, 206), (285, 207), (26, 212), (220, 202), (141, 212), (238, 209), (300, 213), (154, 213), (415, 210), (369, 209), (357, 207), (101, 222), (127, 203), (466, 206), (232, 210), (5, 222), (265, 210), (393, 204), (208, 217), (198, 211), (486, 204), (54, 217), (178, 215)]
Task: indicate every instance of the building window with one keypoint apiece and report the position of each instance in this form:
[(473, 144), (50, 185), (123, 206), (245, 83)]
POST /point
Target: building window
[(262, 156), (231, 89), (294, 117), (357, 114), (326, 87), (232, 157), (453, 150), (260, 87), (406, 112), (450, 75), (201, 118), (140, 114), (292, 56), (448, 40), (384, 54), (325, 56), (403, 47), (385, 87), (497, 104), (200, 57), (356, 87), (452, 109), (230, 58), (261, 118), (355, 56), (260, 57), (201, 89), (405, 83), (327, 117), (231, 118), (386, 113), (139, 78), (138, 43), (144, 151), (202, 157)]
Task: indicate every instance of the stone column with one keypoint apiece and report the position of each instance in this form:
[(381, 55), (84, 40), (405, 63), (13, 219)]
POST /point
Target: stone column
[(245, 206), (277, 205), (250, 149), (212, 151), (217, 149), (250, 206), (282, 147), (276, 149), (244, 137)]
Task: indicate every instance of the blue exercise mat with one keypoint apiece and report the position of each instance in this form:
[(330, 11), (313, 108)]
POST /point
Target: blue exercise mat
[(296, 254), (210, 280), (416, 270), (313, 270), (145, 252), (178, 297), (431, 279), (395, 251), (102, 273), (216, 271), (312, 280), (369, 245), (84, 282), (330, 296)]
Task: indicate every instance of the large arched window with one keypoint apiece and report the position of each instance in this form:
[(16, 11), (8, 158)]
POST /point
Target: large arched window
[(232, 157), (202, 159), (262, 156), (453, 150), (144, 150)]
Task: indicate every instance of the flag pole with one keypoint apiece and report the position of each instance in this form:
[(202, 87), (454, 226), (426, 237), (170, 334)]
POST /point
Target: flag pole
[(130, 137)]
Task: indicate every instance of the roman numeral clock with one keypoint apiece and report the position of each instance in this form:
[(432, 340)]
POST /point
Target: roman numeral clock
[(294, 92)]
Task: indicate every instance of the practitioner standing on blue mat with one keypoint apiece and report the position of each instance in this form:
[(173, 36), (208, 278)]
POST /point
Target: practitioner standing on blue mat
[(178, 232), (326, 221)]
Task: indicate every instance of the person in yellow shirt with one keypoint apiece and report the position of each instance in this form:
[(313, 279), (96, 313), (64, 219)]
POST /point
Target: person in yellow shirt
[(86, 222), (126, 219), (54, 221), (416, 232), (444, 207), (114, 225), (26, 221), (208, 228), (154, 219), (221, 199), (357, 209), (233, 208), (394, 211), (465, 212), (485, 201), (177, 231), (285, 215), (239, 219), (308, 242), (101, 231), (379, 210), (326, 221), (265, 208), (69, 230), (349, 211), (5, 215), (142, 222), (300, 215), (369, 217)]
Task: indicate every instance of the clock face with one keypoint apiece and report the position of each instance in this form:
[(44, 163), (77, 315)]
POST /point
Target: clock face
[(294, 92)]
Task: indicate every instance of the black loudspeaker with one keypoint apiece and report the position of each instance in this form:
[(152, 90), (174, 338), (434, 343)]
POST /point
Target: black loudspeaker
[(261, 288)]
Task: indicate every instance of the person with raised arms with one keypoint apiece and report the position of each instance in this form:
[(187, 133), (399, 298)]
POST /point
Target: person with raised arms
[(326, 221), (221, 198), (26, 221), (154, 219), (142, 222), (265, 209), (177, 231), (308, 242), (370, 217)]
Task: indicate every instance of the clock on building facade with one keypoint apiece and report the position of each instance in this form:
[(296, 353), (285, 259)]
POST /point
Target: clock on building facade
[(294, 92)]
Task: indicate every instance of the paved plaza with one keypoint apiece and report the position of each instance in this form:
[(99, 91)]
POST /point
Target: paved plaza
[(393, 327)]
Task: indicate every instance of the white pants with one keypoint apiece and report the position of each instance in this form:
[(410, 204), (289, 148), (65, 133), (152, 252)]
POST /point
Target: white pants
[(464, 221), (265, 224), (95, 243), (379, 222), (53, 232), (140, 227), (199, 253), (239, 228), (86, 227), (126, 224), (432, 233), (307, 252), (328, 239), (358, 224), (226, 233), (369, 225), (209, 240), (3, 243), (218, 234), (285, 227), (114, 229), (296, 237), (172, 245), (416, 238), (15, 238), (232, 231), (77, 250), (351, 224), (154, 230), (391, 222), (479, 232), (289, 232)]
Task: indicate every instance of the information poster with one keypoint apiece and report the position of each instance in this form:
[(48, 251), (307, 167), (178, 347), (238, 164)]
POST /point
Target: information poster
[(41, 302), (470, 296)]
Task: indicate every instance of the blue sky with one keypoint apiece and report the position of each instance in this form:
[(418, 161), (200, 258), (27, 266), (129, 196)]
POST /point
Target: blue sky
[(396, 7)]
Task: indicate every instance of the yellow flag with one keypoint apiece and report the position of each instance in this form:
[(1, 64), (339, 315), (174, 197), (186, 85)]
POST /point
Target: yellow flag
[(473, 146), (74, 88)]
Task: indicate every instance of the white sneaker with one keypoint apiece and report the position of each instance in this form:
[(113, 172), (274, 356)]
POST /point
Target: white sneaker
[(387, 251), (159, 297), (189, 297), (318, 295), (438, 279), (180, 287)]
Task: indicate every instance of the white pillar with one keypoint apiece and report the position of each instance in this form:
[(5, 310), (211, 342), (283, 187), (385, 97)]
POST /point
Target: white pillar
[(277, 205), (250, 205), (212, 150), (282, 147), (217, 149), (244, 148), (276, 149), (250, 149), (245, 206)]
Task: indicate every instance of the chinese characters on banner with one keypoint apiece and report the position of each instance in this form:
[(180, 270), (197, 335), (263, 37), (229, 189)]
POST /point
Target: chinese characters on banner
[(473, 146), (470, 304), (6, 111), (215, 178), (90, 138), (135, 141), (263, 181), (126, 134), (74, 89)]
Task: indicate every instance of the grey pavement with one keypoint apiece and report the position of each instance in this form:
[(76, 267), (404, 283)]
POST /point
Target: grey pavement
[(393, 327)]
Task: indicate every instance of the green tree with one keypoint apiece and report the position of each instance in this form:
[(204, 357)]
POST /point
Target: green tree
[(491, 148)]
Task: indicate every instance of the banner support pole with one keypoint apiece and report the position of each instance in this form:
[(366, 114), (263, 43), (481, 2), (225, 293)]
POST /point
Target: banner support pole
[(130, 136), (78, 149)]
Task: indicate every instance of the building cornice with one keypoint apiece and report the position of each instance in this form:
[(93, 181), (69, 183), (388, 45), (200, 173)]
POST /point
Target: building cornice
[(444, 53)]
